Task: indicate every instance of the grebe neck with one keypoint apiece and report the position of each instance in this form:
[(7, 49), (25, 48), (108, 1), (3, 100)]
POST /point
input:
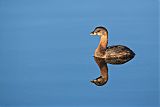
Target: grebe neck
[(100, 51), (103, 42)]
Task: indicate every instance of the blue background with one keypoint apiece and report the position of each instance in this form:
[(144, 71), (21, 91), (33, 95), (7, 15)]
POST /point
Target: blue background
[(46, 53)]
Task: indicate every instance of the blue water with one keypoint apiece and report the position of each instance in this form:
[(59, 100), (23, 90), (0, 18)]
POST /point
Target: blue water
[(46, 53)]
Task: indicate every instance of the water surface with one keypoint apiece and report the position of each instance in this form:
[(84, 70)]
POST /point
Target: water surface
[(46, 53)]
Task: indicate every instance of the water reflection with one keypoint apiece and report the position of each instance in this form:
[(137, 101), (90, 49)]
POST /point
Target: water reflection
[(103, 78)]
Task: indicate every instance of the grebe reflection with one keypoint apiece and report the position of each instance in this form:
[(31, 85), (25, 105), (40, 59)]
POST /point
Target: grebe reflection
[(116, 54)]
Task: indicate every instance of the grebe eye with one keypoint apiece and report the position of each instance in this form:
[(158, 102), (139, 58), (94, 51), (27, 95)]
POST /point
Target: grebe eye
[(98, 30)]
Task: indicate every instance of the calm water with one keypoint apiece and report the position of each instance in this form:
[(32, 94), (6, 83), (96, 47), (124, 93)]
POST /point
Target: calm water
[(46, 53)]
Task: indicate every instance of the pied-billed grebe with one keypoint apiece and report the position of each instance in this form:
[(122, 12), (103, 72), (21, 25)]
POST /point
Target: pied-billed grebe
[(116, 54)]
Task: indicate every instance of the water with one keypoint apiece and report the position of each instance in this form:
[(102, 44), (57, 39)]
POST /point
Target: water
[(46, 53)]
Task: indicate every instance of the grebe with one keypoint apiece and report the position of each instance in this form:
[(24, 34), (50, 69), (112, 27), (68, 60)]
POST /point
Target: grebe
[(116, 54)]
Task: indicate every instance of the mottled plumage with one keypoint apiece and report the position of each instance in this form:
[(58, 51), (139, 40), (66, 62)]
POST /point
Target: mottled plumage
[(118, 54)]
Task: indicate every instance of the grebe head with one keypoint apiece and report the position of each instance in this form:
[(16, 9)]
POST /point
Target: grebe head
[(99, 31)]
